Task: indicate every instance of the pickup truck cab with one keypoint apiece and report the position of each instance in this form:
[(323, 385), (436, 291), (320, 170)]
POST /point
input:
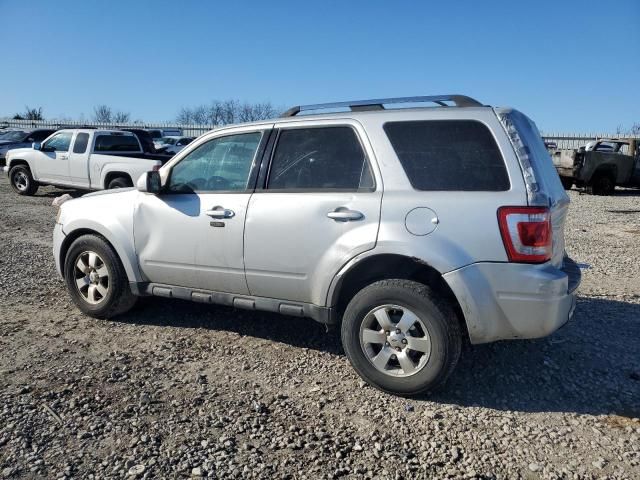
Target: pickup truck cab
[(81, 158)]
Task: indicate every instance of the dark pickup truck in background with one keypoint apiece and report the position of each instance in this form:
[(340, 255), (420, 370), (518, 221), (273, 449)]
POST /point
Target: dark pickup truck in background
[(601, 166)]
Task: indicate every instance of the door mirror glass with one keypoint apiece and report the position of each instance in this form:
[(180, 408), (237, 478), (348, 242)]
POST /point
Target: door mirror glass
[(37, 146), (149, 182)]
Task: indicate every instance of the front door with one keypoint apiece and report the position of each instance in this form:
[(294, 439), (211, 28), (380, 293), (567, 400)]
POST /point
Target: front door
[(191, 235), (320, 207), (52, 164)]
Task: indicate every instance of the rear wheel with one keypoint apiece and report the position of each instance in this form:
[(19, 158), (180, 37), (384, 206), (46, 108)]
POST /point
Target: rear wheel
[(119, 182), (22, 181), (96, 279), (602, 184), (400, 337)]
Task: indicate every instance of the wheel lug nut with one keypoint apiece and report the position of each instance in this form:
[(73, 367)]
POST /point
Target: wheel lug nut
[(398, 349), (398, 330), (386, 344), (387, 333), (393, 357), (404, 341)]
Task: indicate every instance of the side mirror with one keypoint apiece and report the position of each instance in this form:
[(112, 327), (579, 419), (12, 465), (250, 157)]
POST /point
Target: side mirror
[(37, 146), (149, 182)]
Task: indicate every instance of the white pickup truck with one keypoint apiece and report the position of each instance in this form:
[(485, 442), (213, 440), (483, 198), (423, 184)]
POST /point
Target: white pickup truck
[(86, 159)]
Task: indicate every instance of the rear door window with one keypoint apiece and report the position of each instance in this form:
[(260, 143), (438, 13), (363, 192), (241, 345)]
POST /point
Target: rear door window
[(319, 158), (80, 145), (459, 155)]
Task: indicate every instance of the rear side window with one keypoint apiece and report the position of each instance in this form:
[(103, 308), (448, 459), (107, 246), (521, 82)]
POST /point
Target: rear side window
[(80, 145), (449, 155), (321, 158), (116, 143)]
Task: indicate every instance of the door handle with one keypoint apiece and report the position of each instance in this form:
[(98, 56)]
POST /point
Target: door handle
[(64, 157), (220, 212), (342, 214)]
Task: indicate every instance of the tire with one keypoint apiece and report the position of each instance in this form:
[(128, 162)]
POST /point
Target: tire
[(602, 184), (22, 181), (119, 182), (104, 275), (567, 182), (437, 326)]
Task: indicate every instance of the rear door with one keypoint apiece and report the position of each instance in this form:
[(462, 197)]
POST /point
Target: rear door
[(318, 207), (79, 159)]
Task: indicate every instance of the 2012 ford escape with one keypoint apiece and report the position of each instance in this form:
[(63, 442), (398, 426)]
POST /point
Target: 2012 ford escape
[(412, 227)]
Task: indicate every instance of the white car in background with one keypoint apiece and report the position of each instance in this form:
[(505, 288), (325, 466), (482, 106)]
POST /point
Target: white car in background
[(172, 144)]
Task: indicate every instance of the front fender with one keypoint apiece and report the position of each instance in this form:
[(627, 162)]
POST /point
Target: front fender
[(109, 215), (116, 236)]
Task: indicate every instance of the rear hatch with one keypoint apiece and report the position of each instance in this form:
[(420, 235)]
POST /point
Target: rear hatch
[(544, 188)]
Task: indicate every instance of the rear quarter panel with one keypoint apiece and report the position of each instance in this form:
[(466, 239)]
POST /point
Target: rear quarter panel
[(467, 230)]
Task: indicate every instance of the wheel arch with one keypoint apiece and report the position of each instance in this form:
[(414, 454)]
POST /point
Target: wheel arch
[(606, 168), (109, 176), (387, 266), (129, 266), (18, 161)]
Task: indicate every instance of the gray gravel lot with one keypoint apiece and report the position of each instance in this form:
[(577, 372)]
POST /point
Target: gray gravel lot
[(175, 389)]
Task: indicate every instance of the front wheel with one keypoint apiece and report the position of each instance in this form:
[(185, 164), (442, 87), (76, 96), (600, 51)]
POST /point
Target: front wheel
[(400, 337), (22, 181), (96, 279)]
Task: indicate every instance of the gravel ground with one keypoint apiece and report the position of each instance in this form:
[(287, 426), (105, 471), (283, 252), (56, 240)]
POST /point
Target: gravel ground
[(176, 389)]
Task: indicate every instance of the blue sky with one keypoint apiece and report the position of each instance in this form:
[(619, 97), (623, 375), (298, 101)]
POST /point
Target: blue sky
[(563, 63)]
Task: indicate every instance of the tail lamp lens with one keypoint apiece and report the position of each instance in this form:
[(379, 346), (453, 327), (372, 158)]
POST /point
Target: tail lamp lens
[(526, 233)]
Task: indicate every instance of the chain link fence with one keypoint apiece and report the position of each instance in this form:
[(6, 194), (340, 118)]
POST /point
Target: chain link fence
[(562, 140)]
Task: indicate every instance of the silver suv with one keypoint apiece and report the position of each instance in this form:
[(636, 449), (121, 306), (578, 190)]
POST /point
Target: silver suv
[(411, 227)]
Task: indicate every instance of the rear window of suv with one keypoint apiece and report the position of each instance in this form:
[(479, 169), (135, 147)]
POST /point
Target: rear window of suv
[(116, 143), (458, 155)]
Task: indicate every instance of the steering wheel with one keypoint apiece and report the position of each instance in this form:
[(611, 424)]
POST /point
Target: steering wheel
[(218, 183)]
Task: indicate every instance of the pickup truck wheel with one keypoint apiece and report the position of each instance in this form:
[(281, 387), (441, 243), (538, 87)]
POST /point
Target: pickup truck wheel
[(96, 278), (567, 182), (119, 182), (602, 184), (400, 337), (22, 181)]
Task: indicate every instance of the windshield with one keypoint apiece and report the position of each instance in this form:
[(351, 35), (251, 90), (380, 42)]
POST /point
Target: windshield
[(13, 135)]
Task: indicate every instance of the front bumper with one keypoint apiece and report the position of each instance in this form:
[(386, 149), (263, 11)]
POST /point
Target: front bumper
[(502, 301), (58, 238)]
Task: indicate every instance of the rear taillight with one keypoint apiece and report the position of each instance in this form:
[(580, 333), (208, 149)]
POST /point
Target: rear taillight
[(526, 233)]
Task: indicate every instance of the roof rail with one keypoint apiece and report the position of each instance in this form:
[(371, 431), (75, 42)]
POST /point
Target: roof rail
[(379, 103)]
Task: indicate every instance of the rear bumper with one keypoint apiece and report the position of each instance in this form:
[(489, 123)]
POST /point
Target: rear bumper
[(503, 301)]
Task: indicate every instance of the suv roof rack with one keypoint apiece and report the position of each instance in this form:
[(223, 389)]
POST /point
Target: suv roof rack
[(379, 103)]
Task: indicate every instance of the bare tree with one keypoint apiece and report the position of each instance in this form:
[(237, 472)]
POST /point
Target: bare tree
[(225, 112), (29, 114), (102, 114), (105, 114), (635, 130), (121, 117)]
